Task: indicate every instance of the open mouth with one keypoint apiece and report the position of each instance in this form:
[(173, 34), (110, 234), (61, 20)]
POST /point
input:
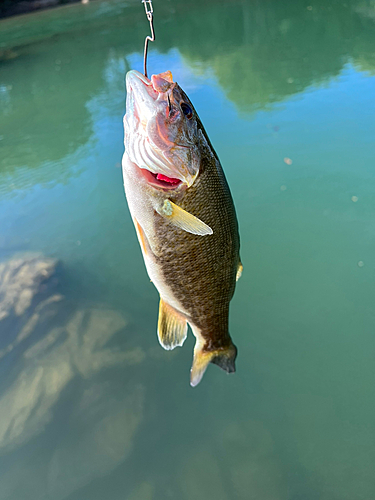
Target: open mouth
[(161, 180), (166, 181)]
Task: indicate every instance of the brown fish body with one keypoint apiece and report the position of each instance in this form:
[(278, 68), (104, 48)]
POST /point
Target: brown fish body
[(201, 271), (195, 274)]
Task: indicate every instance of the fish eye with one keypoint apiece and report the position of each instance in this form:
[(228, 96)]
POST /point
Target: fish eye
[(186, 109)]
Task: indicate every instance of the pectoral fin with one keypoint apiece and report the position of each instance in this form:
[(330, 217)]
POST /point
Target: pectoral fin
[(239, 271), (172, 326), (184, 220)]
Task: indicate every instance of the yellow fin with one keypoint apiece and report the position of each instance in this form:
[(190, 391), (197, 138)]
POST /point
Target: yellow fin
[(142, 238), (200, 363), (239, 271), (184, 220), (172, 326), (224, 357)]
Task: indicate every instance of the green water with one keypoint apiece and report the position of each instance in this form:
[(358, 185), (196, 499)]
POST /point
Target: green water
[(91, 406)]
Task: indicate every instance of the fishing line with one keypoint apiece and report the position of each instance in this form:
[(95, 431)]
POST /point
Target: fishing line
[(150, 16)]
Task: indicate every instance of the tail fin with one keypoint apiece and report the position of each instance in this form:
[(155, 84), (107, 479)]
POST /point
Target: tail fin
[(223, 357)]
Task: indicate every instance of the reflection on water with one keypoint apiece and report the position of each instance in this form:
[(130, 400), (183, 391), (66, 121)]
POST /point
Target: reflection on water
[(90, 406), (263, 53)]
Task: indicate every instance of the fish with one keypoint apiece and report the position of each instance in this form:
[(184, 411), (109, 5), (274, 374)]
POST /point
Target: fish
[(184, 217)]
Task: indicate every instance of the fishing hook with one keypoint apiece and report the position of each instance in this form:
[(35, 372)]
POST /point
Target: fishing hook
[(149, 13)]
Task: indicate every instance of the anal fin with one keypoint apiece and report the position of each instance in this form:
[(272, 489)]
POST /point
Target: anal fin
[(172, 326)]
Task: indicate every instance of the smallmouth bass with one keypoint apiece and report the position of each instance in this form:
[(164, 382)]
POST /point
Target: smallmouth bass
[(184, 218)]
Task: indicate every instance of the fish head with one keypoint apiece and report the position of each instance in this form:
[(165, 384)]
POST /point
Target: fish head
[(161, 130)]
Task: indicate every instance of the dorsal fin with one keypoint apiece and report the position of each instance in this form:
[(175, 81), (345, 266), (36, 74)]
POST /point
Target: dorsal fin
[(172, 326), (183, 219)]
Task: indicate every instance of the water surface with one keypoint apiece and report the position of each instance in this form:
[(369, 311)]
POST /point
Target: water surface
[(91, 407)]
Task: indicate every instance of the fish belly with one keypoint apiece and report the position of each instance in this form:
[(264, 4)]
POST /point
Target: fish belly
[(143, 215)]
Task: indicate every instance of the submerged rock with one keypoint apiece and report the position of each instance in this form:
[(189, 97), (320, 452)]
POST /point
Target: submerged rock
[(63, 342), (25, 297), (63, 359), (20, 281), (75, 347)]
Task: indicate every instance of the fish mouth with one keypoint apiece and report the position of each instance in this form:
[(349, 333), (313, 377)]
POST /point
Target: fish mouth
[(158, 84), (143, 94), (134, 76), (147, 147), (141, 97), (161, 181)]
